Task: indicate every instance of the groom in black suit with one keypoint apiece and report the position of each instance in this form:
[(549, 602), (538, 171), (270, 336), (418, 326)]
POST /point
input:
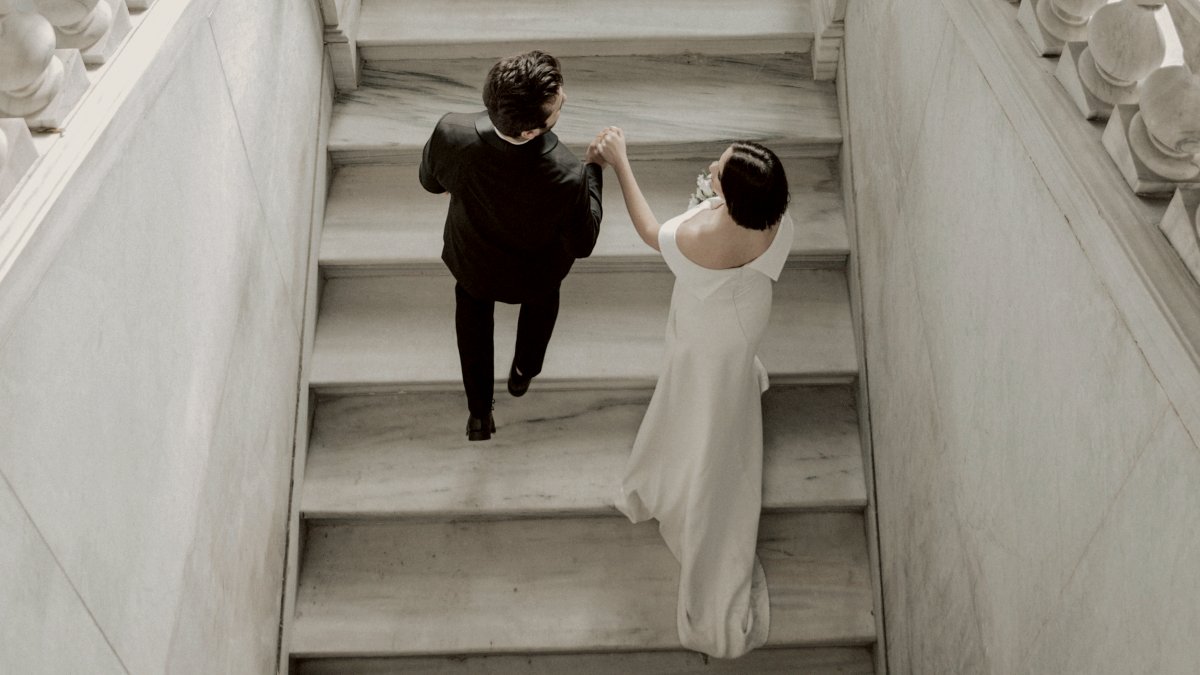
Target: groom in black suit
[(522, 209)]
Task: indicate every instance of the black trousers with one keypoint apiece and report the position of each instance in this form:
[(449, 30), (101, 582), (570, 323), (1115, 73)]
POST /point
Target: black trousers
[(474, 321)]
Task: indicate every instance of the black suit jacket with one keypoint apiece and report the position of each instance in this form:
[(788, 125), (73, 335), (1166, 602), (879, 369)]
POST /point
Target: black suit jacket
[(519, 214)]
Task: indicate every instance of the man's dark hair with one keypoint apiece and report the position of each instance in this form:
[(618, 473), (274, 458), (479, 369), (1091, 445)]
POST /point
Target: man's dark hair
[(755, 186), (519, 91)]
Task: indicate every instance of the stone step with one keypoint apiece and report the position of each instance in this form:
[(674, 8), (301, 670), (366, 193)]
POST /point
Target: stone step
[(380, 219), (380, 588), (396, 29), (555, 454), (817, 661), (671, 107), (397, 332)]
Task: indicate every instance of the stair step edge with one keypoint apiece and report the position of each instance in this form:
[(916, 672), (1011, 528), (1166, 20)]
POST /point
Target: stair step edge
[(357, 267), (349, 387), (827, 147), (382, 50), (327, 515), (764, 661), (857, 639)]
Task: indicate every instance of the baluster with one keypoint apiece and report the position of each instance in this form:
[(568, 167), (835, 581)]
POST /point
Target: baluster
[(1051, 24), (1157, 144), (37, 82), (1125, 45), (94, 27), (139, 5), (1165, 132), (1180, 225), (17, 154)]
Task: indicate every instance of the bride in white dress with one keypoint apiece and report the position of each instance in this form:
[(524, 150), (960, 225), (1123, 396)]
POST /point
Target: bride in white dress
[(696, 465)]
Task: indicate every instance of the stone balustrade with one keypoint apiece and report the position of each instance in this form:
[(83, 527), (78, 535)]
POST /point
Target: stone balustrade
[(79, 24), (1161, 136), (1124, 45), (38, 82), (46, 49), (1155, 138), (1115, 65), (94, 27), (1051, 24)]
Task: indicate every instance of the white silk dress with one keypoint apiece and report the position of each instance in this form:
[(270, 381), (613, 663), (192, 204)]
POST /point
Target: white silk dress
[(696, 464)]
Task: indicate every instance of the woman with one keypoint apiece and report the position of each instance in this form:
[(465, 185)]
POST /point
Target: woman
[(696, 465)]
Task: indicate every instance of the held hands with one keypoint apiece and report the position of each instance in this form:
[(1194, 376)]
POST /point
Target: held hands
[(610, 145), (593, 154)]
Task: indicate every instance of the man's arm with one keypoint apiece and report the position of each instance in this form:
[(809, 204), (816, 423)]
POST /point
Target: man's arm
[(581, 238), (429, 157)]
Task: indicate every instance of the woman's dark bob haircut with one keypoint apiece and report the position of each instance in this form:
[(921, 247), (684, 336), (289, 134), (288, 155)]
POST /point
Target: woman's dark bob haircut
[(755, 186), (519, 91)]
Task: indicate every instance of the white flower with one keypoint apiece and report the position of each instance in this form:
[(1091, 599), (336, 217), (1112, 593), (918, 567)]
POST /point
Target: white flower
[(704, 190)]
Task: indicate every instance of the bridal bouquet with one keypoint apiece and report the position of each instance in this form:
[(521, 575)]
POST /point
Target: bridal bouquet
[(704, 189)]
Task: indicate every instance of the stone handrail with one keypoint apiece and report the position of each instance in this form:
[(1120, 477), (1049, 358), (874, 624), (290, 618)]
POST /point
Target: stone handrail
[(1115, 65), (50, 53)]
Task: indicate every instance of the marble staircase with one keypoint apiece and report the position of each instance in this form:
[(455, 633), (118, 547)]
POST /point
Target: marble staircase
[(425, 553)]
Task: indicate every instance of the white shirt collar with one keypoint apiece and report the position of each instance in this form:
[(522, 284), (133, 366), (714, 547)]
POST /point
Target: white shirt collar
[(513, 140)]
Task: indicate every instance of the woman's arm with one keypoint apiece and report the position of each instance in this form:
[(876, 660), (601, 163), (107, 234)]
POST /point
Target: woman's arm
[(611, 144)]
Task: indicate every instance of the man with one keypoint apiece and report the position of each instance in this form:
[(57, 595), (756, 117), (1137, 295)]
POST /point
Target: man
[(522, 209)]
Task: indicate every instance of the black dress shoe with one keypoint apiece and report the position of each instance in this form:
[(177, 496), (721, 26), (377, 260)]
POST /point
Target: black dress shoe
[(517, 384), (479, 430)]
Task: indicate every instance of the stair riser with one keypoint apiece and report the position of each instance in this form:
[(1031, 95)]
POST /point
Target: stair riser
[(319, 519), (333, 388)]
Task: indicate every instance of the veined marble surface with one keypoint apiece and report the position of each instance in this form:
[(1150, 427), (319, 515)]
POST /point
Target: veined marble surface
[(670, 106), (579, 584), (827, 661), (379, 216), (394, 332), (554, 454), (1021, 390), (390, 30)]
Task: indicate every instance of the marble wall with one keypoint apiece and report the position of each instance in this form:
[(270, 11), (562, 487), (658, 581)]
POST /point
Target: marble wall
[(148, 389), (1038, 494)]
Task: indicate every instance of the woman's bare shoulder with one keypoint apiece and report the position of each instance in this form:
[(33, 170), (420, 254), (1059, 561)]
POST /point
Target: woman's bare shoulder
[(705, 242), (702, 242)]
